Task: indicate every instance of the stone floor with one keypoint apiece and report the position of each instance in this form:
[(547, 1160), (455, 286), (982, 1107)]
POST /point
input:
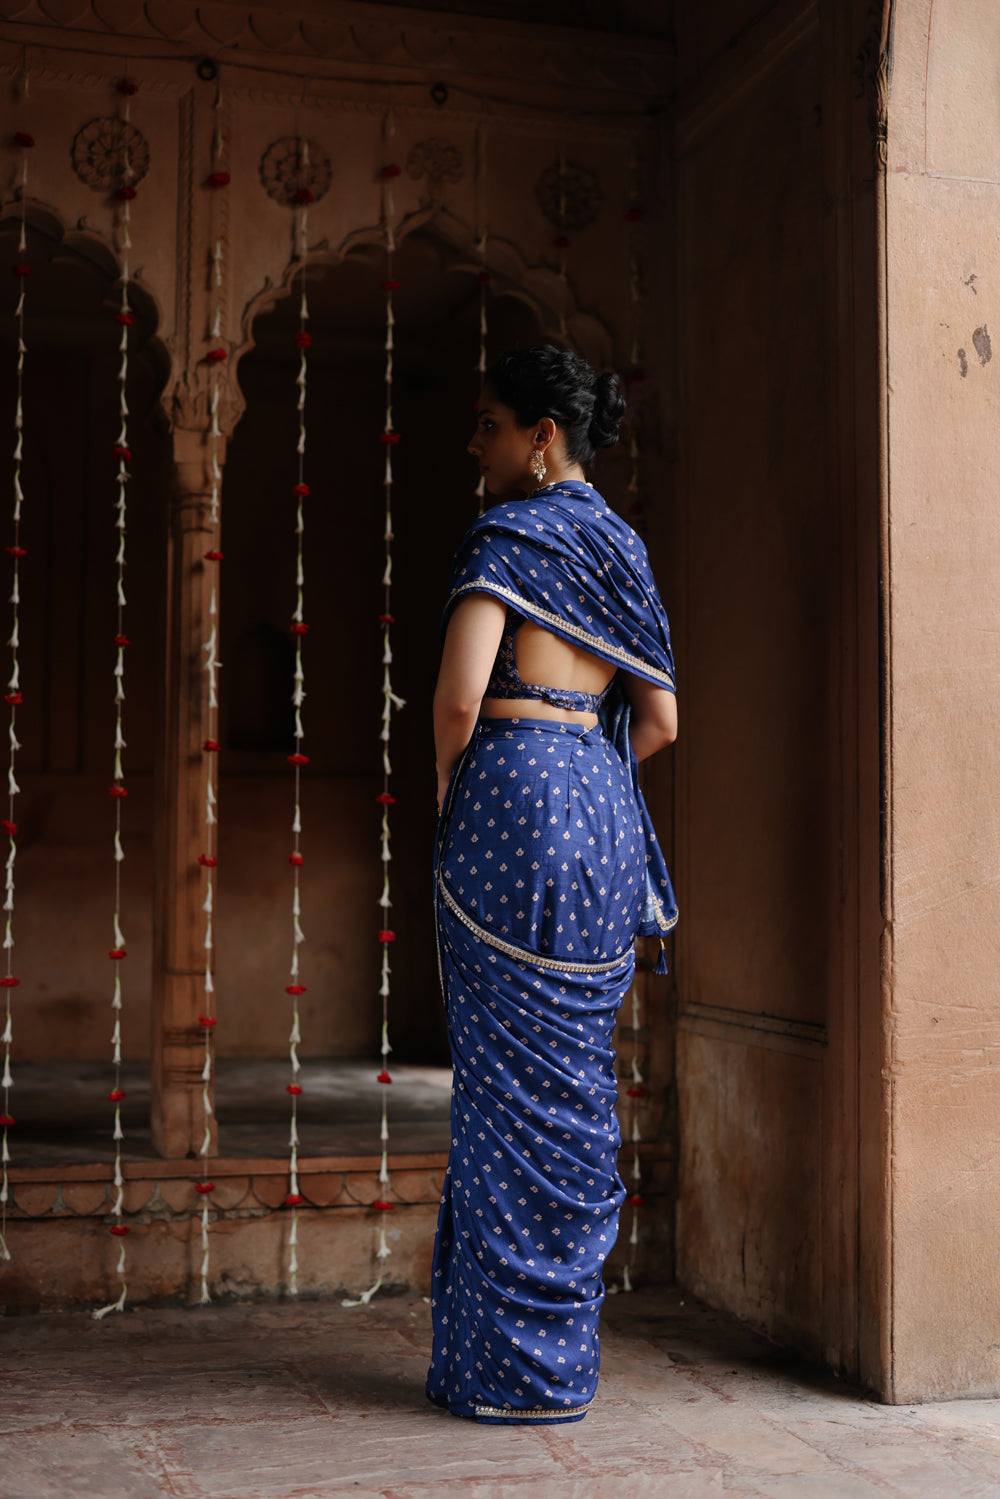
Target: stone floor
[(309, 1400)]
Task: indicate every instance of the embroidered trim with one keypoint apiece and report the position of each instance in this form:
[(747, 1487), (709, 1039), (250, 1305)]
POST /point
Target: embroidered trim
[(598, 647), (521, 954), (538, 1414)]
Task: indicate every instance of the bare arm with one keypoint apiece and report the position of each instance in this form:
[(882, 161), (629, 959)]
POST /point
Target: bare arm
[(653, 722), (470, 647)]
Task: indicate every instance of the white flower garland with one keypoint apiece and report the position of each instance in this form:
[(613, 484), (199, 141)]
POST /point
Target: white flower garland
[(295, 988), (125, 319), (13, 694), (218, 180)]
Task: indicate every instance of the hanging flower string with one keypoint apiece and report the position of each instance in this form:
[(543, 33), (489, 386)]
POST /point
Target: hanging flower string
[(385, 799), (295, 988), (636, 1091), (386, 935), (12, 696), (125, 319), (218, 179)]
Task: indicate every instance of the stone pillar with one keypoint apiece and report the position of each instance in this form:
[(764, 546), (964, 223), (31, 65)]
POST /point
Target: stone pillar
[(179, 924)]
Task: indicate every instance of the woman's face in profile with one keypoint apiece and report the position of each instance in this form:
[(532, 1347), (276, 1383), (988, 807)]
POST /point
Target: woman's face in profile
[(502, 448)]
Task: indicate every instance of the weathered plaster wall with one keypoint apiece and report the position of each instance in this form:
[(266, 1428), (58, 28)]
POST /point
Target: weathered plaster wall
[(943, 959)]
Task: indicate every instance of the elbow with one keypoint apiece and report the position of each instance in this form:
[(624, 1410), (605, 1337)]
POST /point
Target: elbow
[(455, 707)]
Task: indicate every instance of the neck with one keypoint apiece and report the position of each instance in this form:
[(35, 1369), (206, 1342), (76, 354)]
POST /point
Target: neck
[(555, 476)]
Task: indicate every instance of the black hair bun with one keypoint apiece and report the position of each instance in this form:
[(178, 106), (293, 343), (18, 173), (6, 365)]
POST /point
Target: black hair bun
[(609, 409)]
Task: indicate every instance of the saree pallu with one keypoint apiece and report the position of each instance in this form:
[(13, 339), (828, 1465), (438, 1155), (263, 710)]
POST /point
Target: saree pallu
[(539, 875)]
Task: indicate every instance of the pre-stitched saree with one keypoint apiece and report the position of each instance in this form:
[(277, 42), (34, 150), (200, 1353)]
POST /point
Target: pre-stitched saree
[(546, 867)]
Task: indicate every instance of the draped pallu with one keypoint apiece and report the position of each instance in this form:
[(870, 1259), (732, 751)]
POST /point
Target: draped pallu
[(546, 868)]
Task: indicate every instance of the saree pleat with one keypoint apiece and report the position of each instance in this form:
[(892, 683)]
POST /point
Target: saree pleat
[(539, 884)]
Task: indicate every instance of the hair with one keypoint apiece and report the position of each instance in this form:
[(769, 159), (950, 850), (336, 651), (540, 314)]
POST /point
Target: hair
[(546, 381)]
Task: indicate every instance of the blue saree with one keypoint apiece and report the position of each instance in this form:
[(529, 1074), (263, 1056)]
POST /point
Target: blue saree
[(546, 867)]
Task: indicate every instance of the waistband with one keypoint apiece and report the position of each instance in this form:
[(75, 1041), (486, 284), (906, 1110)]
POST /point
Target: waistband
[(514, 728)]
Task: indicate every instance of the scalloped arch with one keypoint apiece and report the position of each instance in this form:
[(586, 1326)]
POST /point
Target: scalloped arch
[(88, 245), (549, 297)]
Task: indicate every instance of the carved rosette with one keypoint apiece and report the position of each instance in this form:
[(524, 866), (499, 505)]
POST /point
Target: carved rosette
[(291, 167), (570, 196), (98, 153), (437, 161)]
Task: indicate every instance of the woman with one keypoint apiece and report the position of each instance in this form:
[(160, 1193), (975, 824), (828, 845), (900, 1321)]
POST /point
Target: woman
[(546, 868)]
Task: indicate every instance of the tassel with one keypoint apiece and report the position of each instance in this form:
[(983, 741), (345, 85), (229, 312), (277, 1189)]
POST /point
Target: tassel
[(661, 962)]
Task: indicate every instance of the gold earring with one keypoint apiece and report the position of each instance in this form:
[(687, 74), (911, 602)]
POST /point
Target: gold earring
[(538, 465)]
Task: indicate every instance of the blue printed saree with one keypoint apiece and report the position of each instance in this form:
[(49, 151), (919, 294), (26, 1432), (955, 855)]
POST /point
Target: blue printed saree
[(546, 867)]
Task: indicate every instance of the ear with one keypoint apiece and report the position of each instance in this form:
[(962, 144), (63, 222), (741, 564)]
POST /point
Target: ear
[(545, 432)]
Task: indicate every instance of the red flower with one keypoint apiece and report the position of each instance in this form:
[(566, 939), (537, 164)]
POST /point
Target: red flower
[(7, 1119), (293, 1088), (22, 138), (126, 194), (304, 195), (208, 861), (13, 697), (388, 439), (391, 170), (386, 798), (295, 858), (633, 215), (484, 278), (561, 242), (297, 759), (219, 179), (116, 1095), (119, 1230), (207, 1021), (9, 982), (636, 1092), (216, 356), (387, 619), (383, 1207), (117, 952), (9, 827), (293, 1199), (125, 319), (123, 453), (127, 86), (301, 490), (210, 745), (295, 988), (214, 556), (637, 1199), (383, 1077), (20, 270), (300, 629), (384, 936), (117, 791), (303, 340), (391, 285), (204, 1187), (16, 551), (122, 640)]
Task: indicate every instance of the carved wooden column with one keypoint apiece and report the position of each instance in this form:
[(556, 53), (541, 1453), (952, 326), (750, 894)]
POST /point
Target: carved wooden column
[(178, 1121)]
